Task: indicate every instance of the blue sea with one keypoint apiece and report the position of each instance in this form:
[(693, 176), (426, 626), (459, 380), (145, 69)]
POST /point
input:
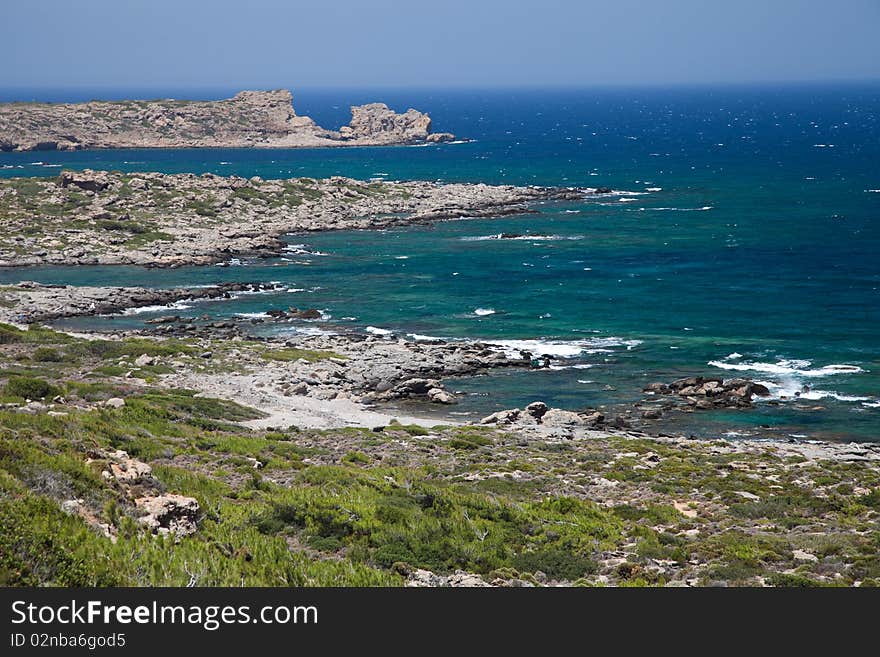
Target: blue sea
[(746, 243)]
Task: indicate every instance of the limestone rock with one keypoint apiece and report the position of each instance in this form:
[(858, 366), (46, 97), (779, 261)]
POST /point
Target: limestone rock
[(377, 123), (169, 514), (125, 469), (440, 396), (460, 578), (144, 360)]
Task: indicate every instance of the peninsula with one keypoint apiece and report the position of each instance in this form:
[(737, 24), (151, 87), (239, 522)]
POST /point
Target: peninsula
[(251, 119), (154, 219)]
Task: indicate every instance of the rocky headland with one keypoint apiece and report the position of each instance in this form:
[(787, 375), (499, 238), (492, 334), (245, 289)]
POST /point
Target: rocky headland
[(251, 119), (154, 219)]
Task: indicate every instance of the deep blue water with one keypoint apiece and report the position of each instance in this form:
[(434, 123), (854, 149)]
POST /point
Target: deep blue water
[(751, 247)]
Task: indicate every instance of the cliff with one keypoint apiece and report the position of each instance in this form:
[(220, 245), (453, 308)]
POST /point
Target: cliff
[(251, 119)]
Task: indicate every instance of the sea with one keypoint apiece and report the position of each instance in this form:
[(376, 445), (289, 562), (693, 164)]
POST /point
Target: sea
[(742, 240)]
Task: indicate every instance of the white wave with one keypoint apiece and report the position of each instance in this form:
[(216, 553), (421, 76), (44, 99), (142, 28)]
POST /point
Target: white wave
[(831, 394), (571, 211), (458, 141), (309, 330), (626, 200), (253, 315), (577, 366), (300, 249), (619, 192), (791, 389), (528, 238), (143, 310), (375, 330), (653, 189), (401, 257), (482, 312), (560, 348), (423, 338), (823, 145), (703, 208), (873, 404), (791, 367), (875, 191), (246, 293)]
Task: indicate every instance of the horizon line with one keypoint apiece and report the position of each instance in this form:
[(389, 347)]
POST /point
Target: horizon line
[(5, 89)]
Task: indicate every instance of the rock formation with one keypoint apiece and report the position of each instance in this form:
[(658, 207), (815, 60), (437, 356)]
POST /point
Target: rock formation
[(251, 119), (711, 392)]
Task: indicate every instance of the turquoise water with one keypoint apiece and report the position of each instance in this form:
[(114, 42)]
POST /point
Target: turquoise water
[(747, 244)]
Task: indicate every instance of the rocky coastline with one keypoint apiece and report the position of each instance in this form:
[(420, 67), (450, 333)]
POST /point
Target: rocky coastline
[(312, 459), (28, 302), (248, 453), (168, 220), (251, 119)]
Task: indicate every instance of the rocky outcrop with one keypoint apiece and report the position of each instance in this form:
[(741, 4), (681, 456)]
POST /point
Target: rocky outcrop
[(711, 392), (377, 124), (548, 422), (420, 578), (169, 514), (251, 119), (161, 513)]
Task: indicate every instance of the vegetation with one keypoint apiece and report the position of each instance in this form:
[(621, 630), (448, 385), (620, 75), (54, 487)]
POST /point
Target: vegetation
[(367, 507)]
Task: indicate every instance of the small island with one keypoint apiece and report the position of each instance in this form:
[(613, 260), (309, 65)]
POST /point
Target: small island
[(250, 119)]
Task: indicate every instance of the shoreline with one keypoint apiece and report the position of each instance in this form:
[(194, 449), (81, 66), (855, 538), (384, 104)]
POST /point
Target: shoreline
[(418, 367), (169, 220), (199, 433), (300, 390)]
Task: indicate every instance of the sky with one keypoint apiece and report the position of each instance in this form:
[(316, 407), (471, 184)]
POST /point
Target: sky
[(197, 44)]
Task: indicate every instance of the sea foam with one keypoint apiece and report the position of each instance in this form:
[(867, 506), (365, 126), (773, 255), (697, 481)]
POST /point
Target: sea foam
[(560, 348)]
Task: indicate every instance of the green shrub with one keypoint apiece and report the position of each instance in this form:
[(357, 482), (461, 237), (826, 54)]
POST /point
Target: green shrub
[(555, 563), (792, 580), (47, 355), (30, 387), (469, 440), (356, 458)]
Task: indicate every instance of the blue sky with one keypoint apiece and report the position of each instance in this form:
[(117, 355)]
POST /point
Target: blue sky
[(90, 44)]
